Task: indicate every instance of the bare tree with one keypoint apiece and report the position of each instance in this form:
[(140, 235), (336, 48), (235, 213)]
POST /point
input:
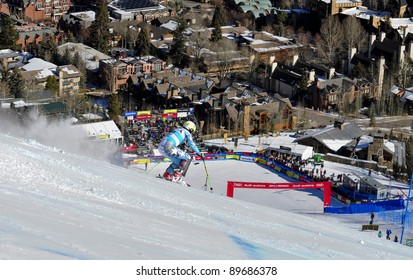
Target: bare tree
[(197, 46), (225, 56), (304, 39), (131, 36), (331, 36), (250, 64), (355, 35), (77, 104), (405, 73)]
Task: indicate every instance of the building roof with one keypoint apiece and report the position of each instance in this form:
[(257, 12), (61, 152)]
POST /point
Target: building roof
[(133, 5), (100, 130), (69, 71), (89, 55), (364, 13), (8, 53), (333, 137), (302, 151), (39, 64)]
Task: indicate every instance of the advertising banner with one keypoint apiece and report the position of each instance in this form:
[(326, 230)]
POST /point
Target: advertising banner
[(248, 159), (130, 114), (144, 113), (169, 115), (182, 114), (143, 117), (232, 157), (300, 185)]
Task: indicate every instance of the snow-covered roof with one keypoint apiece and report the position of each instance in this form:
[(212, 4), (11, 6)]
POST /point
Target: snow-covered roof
[(303, 151), (39, 64), (171, 25), (101, 130)]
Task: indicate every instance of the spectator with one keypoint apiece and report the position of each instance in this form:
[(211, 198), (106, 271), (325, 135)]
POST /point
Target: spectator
[(388, 232), (379, 234), (396, 239)]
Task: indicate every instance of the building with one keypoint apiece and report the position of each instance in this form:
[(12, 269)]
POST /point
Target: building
[(9, 58), (31, 35), (331, 138), (69, 79), (114, 73), (373, 188), (137, 10), (325, 8), (284, 148), (39, 10)]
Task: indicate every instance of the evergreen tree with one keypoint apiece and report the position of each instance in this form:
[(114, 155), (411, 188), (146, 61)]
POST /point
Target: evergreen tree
[(66, 58), (81, 66), (359, 71), (114, 107), (16, 84), (143, 42), (218, 20), (281, 20), (409, 155), (99, 30), (178, 45), (8, 34), (47, 50), (53, 85)]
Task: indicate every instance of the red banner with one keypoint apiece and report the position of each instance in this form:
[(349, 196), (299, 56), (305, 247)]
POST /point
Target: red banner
[(300, 185), (170, 115), (143, 117), (129, 148)]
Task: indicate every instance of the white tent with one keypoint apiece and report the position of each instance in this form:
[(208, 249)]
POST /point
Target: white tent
[(106, 130), (285, 145)]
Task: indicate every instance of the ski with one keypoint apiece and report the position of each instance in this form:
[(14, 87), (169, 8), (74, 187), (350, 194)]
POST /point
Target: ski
[(179, 183)]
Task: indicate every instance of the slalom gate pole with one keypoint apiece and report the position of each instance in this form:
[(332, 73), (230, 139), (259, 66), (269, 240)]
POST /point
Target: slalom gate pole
[(153, 167), (207, 177)]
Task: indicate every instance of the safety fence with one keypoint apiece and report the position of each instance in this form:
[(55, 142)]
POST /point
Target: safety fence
[(350, 208)]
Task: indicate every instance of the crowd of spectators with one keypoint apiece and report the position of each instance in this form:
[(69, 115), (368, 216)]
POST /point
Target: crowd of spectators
[(315, 171), (146, 134)]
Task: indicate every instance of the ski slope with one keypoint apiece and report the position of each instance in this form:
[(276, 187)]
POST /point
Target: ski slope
[(62, 199)]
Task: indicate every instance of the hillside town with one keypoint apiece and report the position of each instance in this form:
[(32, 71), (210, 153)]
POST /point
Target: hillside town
[(336, 73)]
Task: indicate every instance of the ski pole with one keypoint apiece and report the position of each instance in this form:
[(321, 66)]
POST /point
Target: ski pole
[(207, 177), (153, 167)]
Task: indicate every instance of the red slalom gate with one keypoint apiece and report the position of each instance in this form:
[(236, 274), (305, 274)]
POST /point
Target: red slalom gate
[(304, 185)]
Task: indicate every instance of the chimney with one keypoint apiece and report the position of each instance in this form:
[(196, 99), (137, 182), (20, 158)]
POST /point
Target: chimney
[(224, 99), (402, 49), (382, 63), (331, 72), (382, 36), (295, 58), (371, 43), (273, 67), (311, 75), (351, 54), (339, 124)]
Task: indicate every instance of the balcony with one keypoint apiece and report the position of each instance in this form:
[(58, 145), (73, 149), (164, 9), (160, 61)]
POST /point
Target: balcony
[(122, 76), (57, 12)]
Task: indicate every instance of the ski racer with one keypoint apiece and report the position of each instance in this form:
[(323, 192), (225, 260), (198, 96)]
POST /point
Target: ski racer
[(169, 147)]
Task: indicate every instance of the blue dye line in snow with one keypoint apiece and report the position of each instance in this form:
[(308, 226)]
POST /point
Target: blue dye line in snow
[(64, 254), (250, 249)]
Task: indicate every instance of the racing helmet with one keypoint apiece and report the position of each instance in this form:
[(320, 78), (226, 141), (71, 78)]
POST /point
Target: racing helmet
[(190, 126)]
